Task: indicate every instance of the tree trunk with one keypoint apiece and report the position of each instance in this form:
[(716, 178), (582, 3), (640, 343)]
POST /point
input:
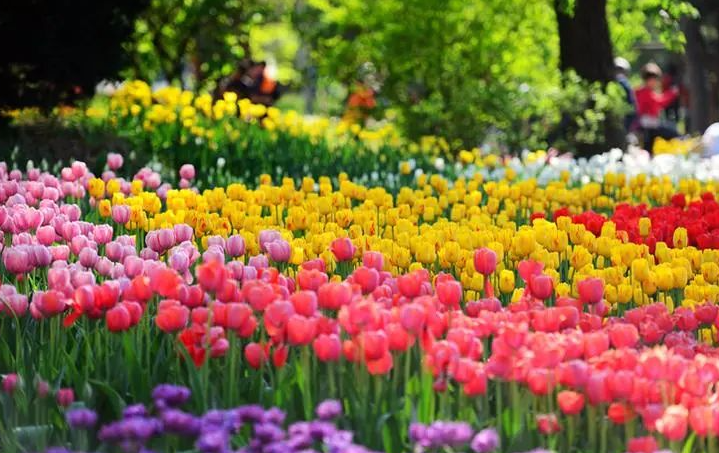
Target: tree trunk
[(698, 84), (584, 43), (585, 47)]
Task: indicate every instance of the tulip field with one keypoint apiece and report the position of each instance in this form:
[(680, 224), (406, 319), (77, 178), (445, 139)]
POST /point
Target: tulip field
[(378, 295)]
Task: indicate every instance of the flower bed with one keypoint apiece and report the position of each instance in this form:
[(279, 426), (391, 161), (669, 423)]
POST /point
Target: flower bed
[(567, 315)]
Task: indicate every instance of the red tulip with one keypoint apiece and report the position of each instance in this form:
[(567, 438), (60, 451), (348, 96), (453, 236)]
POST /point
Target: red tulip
[(410, 285), (173, 318), (165, 282), (596, 343), (380, 366), (485, 261), (399, 339), (248, 328), (139, 289), (211, 275), (367, 278), (478, 384), (305, 303), (374, 344), (343, 249), (65, 397), (373, 260), (571, 403), (413, 317), (279, 356), (547, 424), (706, 313), (449, 294), (573, 374), (327, 347), (623, 335), (620, 413), (541, 286), (701, 420), (258, 294), (276, 316), (597, 389), (529, 268), (540, 381), (673, 423), (237, 314), (311, 280), (118, 319), (646, 444), (229, 291), (332, 296), (191, 296), (591, 290), (135, 310), (10, 383), (51, 303), (350, 351), (255, 355), (301, 330)]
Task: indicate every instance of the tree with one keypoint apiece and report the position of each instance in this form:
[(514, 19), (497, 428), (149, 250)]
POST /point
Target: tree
[(210, 36), (584, 42), (55, 51), (449, 67)]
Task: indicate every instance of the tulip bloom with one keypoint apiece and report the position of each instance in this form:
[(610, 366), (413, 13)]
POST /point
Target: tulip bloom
[(485, 261), (343, 249)]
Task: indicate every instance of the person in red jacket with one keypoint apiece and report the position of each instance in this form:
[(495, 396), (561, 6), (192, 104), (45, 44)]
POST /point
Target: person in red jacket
[(650, 104)]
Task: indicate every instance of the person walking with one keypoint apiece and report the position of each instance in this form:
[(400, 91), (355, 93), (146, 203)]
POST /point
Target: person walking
[(622, 69), (650, 105)]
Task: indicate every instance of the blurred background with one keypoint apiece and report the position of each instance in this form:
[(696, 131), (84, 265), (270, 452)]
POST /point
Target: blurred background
[(509, 74)]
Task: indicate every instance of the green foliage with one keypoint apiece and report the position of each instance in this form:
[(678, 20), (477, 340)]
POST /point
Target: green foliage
[(449, 68), (213, 35)]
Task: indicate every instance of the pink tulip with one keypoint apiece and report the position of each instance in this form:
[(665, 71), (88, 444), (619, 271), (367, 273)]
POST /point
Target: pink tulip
[(187, 171), (114, 161), (591, 290), (46, 235), (102, 234), (374, 260), (279, 251), (485, 261), (16, 261), (343, 249), (235, 245), (182, 232), (121, 214)]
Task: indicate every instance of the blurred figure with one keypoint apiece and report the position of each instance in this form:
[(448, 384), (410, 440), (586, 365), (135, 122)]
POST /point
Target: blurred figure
[(710, 140), (622, 69), (251, 80), (670, 79), (360, 104), (650, 105)]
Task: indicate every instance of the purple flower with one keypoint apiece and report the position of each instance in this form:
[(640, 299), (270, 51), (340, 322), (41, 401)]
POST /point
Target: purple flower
[(329, 409), (81, 418), (171, 395), (485, 441), (268, 432), (214, 441), (251, 413), (178, 422), (135, 410), (274, 415), (135, 429)]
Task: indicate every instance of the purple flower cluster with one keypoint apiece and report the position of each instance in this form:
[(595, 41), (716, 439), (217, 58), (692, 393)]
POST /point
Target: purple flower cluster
[(81, 418), (212, 431), (441, 434)]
